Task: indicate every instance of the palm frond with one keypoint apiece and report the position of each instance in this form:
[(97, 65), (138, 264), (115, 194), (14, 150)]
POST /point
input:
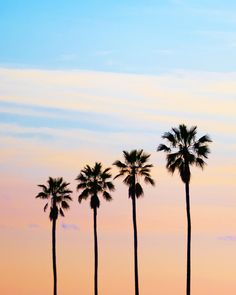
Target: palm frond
[(191, 134), (171, 158), (191, 159), (171, 167), (203, 151), (84, 195), (42, 195), (163, 147), (45, 207), (97, 169), (147, 166), (81, 177), (65, 205), (144, 157), (67, 197), (81, 185), (110, 185), (131, 157), (170, 137), (200, 162), (45, 189), (128, 179), (183, 133), (138, 190), (61, 212), (107, 196), (149, 180), (177, 133), (105, 171), (119, 164), (119, 175), (204, 139)]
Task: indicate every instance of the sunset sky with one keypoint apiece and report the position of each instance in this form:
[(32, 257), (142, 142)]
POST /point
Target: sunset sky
[(81, 82)]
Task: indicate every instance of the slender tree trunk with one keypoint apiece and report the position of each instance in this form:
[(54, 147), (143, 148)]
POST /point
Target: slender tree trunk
[(188, 282), (135, 245), (54, 256), (95, 252)]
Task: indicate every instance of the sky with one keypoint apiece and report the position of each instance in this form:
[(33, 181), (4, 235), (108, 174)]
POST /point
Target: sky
[(81, 82)]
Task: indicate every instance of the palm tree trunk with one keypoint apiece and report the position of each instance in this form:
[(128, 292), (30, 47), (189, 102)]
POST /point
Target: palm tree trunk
[(135, 246), (95, 252), (188, 282), (54, 256)]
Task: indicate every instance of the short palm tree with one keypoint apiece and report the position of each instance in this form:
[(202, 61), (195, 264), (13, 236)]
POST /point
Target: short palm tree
[(94, 181), (184, 150), (57, 193), (133, 168)]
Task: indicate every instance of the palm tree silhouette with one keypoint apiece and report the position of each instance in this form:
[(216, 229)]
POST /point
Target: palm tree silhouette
[(133, 168), (57, 191), (183, 151), (94, 181)]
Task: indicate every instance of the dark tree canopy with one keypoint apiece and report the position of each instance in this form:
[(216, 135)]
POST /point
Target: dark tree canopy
[(58, 193), (184, 149), (94, 181), (133, 168)]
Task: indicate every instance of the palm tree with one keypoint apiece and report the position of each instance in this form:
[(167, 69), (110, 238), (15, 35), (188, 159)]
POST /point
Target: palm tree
[(184, 150), (58, 194), (133, 168), (94, 181)]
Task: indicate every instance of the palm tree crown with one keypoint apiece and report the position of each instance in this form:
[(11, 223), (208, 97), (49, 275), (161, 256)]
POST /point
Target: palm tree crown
[(94, 181), (133, 168), (58, 193), (184, 150)]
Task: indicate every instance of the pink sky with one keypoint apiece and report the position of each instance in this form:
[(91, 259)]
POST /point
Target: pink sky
[(104, 114)]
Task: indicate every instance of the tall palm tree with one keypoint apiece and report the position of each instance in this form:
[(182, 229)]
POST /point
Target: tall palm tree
[(94, 181), (133, 168), (184, 150), (58, 194)]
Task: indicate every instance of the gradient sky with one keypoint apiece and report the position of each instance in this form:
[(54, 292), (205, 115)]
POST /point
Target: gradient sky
[(79, 83)]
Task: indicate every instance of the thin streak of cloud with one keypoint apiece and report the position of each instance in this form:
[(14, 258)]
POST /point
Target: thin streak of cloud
[(228, 238), (67, 226)]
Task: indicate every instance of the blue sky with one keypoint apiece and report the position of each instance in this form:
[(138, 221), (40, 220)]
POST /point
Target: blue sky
[(147, 37), (81, 81)]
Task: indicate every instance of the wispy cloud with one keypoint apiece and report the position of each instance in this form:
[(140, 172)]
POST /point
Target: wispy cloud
[(228, 238), (67, 226), (116, 102)]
